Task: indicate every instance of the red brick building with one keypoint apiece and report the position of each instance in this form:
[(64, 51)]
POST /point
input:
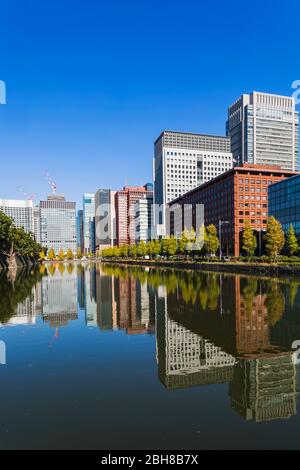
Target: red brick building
[(239, 194), (125, 217)]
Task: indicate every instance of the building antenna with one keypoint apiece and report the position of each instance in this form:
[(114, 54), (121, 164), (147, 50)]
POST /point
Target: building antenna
[(29, 197), (51, 182)]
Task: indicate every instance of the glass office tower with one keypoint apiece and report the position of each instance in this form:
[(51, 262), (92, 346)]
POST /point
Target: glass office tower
[(284, 202)]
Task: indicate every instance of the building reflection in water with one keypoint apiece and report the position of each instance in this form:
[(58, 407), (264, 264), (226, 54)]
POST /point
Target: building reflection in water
[(213, 328), (210, 328)]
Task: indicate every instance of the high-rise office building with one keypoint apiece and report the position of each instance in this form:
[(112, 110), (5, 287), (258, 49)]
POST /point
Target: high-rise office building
[(88, 214), (183, 161), (263, 129), (21, 211), (58, 223), (143, 219), (125, 211), (104, 219), (79, 230), (36, 220)]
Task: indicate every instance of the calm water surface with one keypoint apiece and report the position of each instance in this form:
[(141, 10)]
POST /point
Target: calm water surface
[(105, 357)]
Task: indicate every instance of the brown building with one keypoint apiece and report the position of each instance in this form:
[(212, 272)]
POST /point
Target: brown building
[(234, 196), (125, 217)]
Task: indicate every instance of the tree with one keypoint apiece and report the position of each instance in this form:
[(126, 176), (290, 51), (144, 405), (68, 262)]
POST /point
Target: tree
[(61, 255), (274, 238), (249, 239), (183, 241), (156, 248), (69, 254), (132, 251), (211, 240), (79, 253), (292, 242), (169, 246), (42, 255), (124, 251), (142, 249), (51, 254)]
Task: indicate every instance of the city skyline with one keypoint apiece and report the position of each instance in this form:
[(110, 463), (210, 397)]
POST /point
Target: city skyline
[(110, 96)]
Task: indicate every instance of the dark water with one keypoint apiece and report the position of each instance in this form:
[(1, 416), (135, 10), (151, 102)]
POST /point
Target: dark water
[(105, 357)]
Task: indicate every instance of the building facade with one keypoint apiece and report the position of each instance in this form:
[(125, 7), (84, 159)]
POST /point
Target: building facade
[(284, 203), (125, 201), (58, 223), (79, 230), (263, 129), (183, 161), (105, 219), (236, 196), (88, 215), (21, 211), (36, 222), (143, 219)]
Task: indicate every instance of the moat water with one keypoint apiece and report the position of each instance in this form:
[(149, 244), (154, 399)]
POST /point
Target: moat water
[(111, 357)]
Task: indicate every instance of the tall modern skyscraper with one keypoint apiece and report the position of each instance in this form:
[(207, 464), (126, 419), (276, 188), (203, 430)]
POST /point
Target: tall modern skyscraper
[(58, 223), (264, 130), (79, 230), (88, 215), (125, 211), (143, 219), (21, 211), (36, 219), (104, 219), (183, 161)]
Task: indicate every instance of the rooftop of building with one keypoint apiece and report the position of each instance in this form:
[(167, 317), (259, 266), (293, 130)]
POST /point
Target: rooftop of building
[(191, 134), (246, 168)]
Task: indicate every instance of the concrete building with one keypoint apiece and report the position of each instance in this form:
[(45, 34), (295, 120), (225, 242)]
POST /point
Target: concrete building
[(233, 197), (36, 220), (58, 223), (183, 161), (21, 211), (143, 219), (88, 215), (79, 230), (125, 211), (105, 219), (284, 203), (264, 130)]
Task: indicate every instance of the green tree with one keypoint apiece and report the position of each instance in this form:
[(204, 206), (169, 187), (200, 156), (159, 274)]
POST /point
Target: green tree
[(124, 251), (69, 254), (79, 253), (51, 254), (211, 239), (249, 243), (42, 255), (183, 241), (169, 246), (292, 243), (133, 251), (141, 249), (274, 238)]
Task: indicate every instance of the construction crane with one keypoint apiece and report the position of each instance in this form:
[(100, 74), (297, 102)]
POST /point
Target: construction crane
[(51, 182), (29, 197)]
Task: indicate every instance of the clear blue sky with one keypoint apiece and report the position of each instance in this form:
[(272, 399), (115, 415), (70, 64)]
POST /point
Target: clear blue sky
[(91, 84)]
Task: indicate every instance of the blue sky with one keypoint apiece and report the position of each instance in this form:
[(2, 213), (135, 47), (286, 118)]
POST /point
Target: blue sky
[(91, 84)]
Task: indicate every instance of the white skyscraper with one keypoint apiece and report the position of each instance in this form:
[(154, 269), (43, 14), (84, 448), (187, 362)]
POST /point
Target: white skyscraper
[(20, 211), (88, 216), (264, 130), (183, 161), (58, 223)]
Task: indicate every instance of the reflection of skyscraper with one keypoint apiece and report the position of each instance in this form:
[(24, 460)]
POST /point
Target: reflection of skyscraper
[(265, 388), (185, 358), (134, 302), (59, 294), (105, 299), (90, 301)]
